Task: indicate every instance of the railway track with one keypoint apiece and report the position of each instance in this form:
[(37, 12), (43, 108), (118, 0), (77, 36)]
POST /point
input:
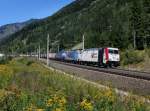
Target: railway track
[(126, 80), (116, 71)]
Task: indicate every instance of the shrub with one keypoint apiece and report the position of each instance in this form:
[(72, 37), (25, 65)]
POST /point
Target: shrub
[(29, 63), (132, 57), (147, 51), (5, 60)]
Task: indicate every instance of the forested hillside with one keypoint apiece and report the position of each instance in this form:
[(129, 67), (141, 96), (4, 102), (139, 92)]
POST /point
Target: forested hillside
[(7, 30), (103, 22)]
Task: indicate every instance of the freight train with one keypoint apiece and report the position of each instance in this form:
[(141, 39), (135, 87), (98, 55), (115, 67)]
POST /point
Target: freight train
[(106, 57)]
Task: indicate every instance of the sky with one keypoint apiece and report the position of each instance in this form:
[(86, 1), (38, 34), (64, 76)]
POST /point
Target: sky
[(12, 11)]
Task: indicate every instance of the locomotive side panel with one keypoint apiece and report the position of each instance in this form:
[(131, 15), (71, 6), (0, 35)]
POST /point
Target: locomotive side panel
[(89, 55), (61, 55), (73, 55)]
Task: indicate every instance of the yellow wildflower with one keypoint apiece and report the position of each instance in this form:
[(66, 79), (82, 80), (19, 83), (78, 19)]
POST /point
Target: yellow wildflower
[(2, 93), (62, 101), (29, 109), (58, 109), (110, 95), (49, 103), (4, 69), (86, 105), (55, 98), (39, 109)]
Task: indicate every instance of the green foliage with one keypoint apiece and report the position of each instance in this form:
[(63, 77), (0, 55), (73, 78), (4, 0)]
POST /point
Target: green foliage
[(5, 60), (104, 23), (12, 100), (147, 51), (34, 87), (26, 61), (132, 57)]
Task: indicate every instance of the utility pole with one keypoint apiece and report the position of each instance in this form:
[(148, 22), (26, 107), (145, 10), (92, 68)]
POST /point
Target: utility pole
[(110, 30), (47, 49), (83, 39), (134, 37), (58, 47), (39, 51), (12, 52)]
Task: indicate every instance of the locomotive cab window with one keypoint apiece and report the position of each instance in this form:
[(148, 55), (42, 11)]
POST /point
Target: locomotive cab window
[(113, 51), (116, 52)]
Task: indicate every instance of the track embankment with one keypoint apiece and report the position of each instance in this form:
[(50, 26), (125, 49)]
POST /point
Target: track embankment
[(126, 83)]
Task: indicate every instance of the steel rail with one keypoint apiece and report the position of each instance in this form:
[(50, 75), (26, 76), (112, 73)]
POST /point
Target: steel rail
[(116, 71)]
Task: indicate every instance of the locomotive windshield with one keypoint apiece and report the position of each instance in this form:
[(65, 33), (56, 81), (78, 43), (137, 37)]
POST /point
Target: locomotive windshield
[(116, 52), (113, 51)]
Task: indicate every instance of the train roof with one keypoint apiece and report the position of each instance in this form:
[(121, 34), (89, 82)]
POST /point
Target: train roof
[(91, 49), (113, 48)]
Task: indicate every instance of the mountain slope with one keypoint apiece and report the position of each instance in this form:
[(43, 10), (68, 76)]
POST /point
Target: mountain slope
[(9, 29), (103, 22)]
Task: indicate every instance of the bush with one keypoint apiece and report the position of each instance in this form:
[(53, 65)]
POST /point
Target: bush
[(147, 51), (132, 57), (29, 63), (5, 60), (26, 61)]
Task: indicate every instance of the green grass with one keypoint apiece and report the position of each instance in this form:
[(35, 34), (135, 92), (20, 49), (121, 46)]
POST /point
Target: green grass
[(27, 85)]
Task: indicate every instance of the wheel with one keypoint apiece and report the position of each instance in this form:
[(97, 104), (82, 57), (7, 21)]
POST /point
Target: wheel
[(110, 65)]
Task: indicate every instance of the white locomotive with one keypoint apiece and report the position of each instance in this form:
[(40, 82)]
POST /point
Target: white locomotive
[(97, 56)]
